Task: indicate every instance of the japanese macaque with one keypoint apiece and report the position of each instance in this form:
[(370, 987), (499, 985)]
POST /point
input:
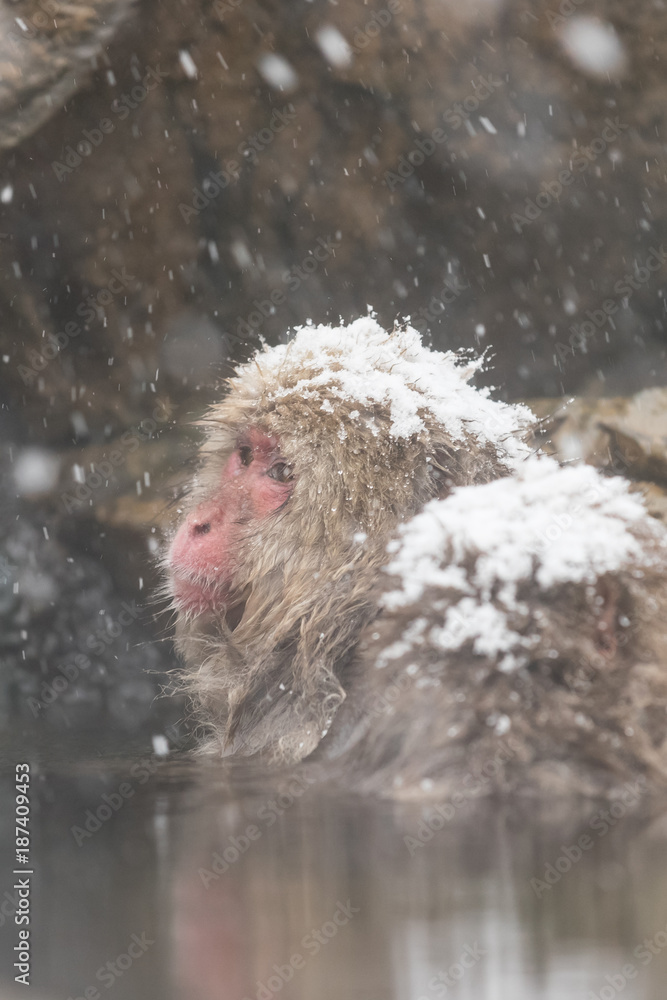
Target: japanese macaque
[(319, 450), (373, 570), (521, 645)]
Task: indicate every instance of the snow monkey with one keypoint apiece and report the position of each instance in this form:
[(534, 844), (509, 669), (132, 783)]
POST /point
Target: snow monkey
[(372, 570), (521, 646), (319, 450)]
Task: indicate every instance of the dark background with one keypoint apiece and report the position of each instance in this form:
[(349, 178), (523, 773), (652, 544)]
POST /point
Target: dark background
[(129, 284), (190, 282)]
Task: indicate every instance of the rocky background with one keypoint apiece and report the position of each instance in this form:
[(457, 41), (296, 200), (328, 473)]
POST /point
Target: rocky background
[(180, 179)]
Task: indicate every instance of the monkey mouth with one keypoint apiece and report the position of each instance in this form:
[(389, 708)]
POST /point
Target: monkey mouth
[(196, 596)]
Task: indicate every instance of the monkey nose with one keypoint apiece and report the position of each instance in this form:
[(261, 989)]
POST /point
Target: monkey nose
[(201, 527)]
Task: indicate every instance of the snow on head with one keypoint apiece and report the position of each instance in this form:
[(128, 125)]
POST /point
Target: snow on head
[(364, 365), (546, 525)]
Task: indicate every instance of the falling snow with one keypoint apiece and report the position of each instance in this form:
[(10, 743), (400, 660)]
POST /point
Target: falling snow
[(277, 72), (593, 46), (35, 471), (188, 64), (333, 46)]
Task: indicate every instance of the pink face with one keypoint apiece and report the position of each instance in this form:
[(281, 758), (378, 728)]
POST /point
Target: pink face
[(256, 481)]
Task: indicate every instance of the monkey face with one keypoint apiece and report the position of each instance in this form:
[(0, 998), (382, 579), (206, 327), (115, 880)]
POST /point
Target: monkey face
[(318, 450), (255, 481)]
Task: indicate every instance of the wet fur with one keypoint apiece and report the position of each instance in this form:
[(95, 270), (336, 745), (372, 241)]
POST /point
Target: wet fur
[(585, 714), (305, 583)]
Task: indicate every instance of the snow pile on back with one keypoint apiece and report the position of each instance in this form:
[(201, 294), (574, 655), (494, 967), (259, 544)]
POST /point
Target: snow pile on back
[(363, 364), (549, 524)]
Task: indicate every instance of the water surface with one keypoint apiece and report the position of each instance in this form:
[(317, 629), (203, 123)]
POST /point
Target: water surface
[(178, 878)]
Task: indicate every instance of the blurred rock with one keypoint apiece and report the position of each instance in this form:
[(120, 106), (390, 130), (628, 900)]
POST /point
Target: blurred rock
[(241, 170), (179, 180), (78, 649), (626, 437), (49, 49)]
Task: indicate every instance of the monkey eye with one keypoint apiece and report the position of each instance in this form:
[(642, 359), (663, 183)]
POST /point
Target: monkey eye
[(281, 472), (245, 454)]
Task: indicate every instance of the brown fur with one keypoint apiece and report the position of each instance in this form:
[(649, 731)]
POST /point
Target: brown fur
[(301, 649), (586, 712), (304, 589)]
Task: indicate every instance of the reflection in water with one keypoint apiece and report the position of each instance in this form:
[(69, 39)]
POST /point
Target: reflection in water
[(205, 882)]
